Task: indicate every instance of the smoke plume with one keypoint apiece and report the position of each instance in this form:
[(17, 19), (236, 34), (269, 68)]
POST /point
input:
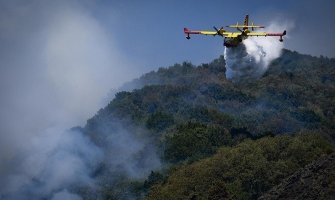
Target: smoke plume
[(251, 59), (55, 160), (131, 154), (57, 64)]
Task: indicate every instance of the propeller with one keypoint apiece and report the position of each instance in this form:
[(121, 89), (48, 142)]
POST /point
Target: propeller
[(218, 31)]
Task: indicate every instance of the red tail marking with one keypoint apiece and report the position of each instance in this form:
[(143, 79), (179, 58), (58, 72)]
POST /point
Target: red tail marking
[(276, 34)]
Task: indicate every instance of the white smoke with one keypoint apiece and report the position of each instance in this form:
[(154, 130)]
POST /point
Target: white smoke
[(251, 59), (131, 154), (55, 160), (57, 63), (65, 195)]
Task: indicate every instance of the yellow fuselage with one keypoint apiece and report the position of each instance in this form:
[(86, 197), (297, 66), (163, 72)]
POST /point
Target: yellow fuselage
[(234, 41)]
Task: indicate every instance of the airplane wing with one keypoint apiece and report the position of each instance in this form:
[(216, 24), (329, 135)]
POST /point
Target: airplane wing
[(208, 32), (257, 34), (267, 34), (188, 32), (276, 34), (220, 32)]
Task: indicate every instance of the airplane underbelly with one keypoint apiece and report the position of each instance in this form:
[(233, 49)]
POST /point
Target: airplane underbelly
[(232, 42)]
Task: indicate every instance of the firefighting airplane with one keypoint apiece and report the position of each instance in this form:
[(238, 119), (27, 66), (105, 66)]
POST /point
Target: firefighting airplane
[(233, 39)]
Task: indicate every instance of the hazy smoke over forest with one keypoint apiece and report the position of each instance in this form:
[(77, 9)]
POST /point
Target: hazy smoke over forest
[(251, 59), (58, 62), (54, 161)]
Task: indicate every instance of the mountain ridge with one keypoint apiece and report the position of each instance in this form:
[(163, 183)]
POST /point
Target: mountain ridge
[(185, 114)]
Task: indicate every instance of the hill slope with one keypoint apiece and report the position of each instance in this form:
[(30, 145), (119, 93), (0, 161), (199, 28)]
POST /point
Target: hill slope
[(185, 114), (315, 181), (244, 171), (297, 92)]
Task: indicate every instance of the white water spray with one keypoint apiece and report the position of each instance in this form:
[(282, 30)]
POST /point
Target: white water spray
[(251, 59)]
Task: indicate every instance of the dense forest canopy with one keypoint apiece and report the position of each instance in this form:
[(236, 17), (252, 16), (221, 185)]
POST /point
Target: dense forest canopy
[(215, 138)]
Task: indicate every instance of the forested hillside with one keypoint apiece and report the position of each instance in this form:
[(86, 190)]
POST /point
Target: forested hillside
[(217, 139), (315, 181)]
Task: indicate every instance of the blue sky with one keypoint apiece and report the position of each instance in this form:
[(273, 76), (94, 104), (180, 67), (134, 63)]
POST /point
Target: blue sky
[(150, 32)]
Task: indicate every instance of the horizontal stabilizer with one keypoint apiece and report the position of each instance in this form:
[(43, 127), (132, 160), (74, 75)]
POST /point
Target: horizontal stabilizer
[(241, 26)]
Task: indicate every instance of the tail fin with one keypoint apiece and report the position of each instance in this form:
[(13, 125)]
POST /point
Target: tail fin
[(246, 22)]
